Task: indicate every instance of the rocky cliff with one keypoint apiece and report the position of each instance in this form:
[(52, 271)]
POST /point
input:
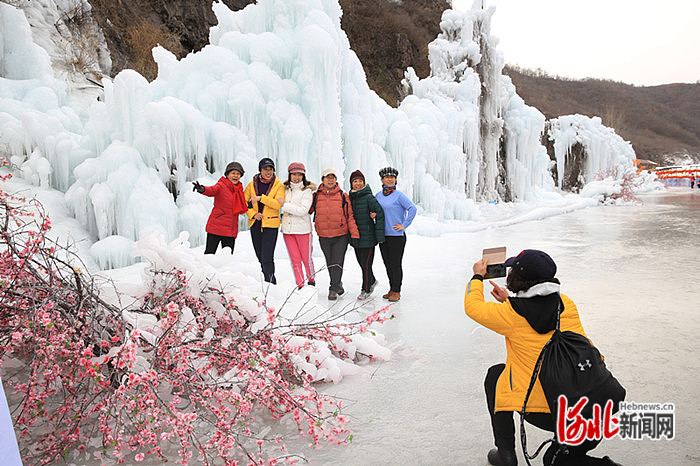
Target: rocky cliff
[(387, 36)]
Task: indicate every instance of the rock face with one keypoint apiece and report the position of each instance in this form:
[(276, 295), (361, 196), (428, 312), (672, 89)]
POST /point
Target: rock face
[(390, 36), (571, 178), (387, 36), (133, 27)]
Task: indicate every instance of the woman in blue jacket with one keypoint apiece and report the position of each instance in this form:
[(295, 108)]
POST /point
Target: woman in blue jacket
[(399, 212)]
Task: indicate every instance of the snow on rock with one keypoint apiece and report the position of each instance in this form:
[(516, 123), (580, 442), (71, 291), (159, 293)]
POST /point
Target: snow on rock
[(603, 149), (37, 129)]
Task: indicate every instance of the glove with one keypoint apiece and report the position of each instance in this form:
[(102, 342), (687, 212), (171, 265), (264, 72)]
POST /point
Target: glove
[(354, 242), (198, 187)]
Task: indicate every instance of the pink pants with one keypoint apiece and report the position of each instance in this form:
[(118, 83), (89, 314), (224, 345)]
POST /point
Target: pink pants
[(300, 248)]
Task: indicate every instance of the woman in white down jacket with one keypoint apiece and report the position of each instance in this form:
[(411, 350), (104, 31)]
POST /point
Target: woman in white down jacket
[(296, 223)]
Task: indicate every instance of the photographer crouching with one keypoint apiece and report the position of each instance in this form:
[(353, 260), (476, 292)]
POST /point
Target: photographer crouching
[(527, 321)]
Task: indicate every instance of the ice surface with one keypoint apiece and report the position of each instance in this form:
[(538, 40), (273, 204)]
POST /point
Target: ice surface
[(631, 272)]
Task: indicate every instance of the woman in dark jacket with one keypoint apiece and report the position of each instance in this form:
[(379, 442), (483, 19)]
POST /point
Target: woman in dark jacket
[(229, 203), (369, 218)]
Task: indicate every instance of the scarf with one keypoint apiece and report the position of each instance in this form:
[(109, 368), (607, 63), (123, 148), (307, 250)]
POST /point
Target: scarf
[(262, 187), (386, 190), (239, 204)]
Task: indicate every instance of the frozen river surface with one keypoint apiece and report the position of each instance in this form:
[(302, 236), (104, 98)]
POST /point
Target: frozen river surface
[(631, 271)]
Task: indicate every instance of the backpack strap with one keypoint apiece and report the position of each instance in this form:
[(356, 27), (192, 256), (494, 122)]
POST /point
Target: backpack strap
[(345, 203), (533, 379), (312, 209)]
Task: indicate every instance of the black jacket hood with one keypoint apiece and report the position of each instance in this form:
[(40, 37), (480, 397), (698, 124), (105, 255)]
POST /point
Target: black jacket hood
[(539, 311)]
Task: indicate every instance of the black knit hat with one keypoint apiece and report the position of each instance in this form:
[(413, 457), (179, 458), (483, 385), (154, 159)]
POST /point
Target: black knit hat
[(357, 174), (532, 264), (234, 166), (388, 171), (266, 162)]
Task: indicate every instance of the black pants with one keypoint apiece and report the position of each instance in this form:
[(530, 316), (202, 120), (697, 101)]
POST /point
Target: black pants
[(504, 427), (334, 251), (392, 254), (365, 257), (214, 240), (264, 241)]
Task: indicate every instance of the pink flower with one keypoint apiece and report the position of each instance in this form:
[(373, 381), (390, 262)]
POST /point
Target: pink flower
[(139, 457)]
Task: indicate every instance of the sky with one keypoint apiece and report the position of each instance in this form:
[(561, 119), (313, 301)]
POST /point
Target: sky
[(639, 42)]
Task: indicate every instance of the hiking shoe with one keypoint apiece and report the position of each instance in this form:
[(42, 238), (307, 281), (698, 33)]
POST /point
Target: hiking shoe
[(311, 283), (394, 296), (364, 295), (373, 286), (340, 289), (386, 296), (332, 295), (500, 457)]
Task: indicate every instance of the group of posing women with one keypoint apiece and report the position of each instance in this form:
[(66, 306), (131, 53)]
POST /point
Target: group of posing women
[(359, 219)]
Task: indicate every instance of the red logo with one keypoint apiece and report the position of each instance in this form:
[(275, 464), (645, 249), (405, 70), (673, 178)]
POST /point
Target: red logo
[(573, 429)]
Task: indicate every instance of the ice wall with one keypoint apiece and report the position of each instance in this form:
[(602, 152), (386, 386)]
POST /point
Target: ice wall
[(481, 140), (278, 80)]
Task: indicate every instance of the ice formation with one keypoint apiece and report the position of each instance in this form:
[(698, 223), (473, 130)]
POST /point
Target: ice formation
[(278, 79), (602, 147)]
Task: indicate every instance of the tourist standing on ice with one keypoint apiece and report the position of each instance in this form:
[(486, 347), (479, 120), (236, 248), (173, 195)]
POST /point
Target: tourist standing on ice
[(296, 223), (335, 224), (229, 203), (369, 218), (265, 197), (527, 321), (399, 212)]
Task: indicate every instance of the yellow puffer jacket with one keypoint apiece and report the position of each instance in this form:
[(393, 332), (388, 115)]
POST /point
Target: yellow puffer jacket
[(271, 209), (523, 345)]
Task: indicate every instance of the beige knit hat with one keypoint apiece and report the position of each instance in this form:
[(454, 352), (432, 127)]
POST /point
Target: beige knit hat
[(328, 171)]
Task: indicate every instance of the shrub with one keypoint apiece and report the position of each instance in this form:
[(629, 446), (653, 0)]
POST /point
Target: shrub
[(181, 369)]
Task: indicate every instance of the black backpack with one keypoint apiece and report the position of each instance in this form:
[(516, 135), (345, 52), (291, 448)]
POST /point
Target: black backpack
[(570, 365)]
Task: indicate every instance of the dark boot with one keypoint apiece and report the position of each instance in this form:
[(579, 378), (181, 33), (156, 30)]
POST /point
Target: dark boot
[(500, 457), (563, 459)]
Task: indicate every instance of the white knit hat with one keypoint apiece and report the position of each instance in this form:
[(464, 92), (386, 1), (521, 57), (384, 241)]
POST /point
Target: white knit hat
[(328, 171)]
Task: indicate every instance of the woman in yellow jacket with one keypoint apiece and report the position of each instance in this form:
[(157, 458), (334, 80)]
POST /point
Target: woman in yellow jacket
[(527, 321), (265, 197)]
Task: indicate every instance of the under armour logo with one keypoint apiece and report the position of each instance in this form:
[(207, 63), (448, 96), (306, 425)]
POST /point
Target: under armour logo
[(583, 366)]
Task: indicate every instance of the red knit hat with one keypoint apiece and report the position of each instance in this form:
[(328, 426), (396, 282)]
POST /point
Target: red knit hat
[(357, 174), (296, 167)]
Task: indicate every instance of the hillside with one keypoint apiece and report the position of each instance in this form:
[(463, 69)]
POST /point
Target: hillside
[(657, 120)]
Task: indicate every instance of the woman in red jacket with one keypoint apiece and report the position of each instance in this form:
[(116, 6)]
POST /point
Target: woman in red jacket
[(229, 203)]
